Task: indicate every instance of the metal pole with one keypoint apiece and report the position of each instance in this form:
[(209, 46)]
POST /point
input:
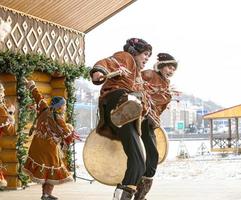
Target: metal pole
[(74, 175)]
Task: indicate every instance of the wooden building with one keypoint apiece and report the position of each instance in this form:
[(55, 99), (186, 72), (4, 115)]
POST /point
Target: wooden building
[(226, 140), (56, 30)]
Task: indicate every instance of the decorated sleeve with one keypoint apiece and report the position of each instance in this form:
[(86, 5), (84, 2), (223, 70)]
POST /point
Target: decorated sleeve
[(118, 61), (39, 99), (102, 66), (66, 132)]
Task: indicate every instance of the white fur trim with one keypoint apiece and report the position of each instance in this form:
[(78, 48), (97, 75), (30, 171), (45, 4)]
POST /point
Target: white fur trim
[(162, 62), (117, 194), (102, 68)]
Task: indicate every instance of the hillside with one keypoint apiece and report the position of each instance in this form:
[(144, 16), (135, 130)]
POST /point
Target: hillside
[(210, 106)]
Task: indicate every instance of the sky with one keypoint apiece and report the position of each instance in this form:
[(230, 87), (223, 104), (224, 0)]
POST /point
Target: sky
[(204, 36)]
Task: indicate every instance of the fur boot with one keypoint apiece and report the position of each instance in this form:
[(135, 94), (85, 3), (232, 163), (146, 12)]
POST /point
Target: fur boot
[(123, 193), (143, 188)]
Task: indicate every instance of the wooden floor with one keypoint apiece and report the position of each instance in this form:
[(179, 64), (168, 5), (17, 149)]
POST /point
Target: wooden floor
[(162, 190)]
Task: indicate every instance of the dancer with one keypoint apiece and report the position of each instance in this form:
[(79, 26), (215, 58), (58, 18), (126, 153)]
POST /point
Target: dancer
[(44, 163), (157, 86), (122, 81)]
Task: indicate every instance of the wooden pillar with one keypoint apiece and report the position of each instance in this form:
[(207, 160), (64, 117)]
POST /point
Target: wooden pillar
[(229, 133), (211, 133), (237, 134), (237, 130)]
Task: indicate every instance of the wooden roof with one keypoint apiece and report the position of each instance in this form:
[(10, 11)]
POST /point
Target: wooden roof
[(231, 112), (80, 15)]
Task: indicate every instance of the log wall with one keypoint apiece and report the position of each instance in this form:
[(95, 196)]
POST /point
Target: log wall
[(49, 86), (8, 141)]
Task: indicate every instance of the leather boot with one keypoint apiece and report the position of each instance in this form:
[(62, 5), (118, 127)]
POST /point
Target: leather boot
[(47, 190), (123, 193), (143, 188)]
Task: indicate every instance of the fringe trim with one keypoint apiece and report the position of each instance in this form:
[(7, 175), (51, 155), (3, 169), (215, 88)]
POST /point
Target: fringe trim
[(43, 166), (50, 181)]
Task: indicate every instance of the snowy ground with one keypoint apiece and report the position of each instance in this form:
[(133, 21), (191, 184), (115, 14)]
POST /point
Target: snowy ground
[(202, 168), (209, 177), (205, 167)]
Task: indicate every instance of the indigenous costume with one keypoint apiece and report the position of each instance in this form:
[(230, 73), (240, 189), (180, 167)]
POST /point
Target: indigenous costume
[(44, 163), (6, 128), (116, 91), (157, 87), (116, 119)]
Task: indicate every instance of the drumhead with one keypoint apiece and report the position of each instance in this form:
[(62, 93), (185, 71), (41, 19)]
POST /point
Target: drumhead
[(104, 159), (162, 143)]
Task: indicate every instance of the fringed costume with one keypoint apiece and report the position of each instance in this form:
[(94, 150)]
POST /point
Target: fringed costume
[(44, 163)]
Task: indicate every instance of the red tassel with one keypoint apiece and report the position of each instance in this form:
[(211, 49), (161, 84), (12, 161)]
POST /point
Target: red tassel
[(46, 176)]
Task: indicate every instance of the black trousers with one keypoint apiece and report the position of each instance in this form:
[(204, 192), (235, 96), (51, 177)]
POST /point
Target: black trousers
[(130, 140), (149, 139)]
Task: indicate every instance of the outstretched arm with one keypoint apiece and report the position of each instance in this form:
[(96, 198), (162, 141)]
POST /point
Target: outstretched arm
[(39, 99), (120, 64)]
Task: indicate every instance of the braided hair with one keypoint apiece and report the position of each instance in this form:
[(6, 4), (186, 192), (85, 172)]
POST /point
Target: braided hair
[(136, 46)]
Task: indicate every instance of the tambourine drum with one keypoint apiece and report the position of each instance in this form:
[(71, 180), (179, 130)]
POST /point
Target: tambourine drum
[(106, 161), (162, 144)]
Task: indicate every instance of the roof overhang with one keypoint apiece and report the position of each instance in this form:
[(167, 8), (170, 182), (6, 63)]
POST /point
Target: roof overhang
[(79, 15), (232, 112)]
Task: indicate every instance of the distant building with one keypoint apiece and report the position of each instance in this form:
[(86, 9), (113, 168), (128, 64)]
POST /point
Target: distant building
[(181, 112)]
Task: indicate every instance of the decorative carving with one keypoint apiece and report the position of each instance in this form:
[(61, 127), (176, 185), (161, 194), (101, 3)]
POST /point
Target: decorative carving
[(17, 35), (71, 48), (25, 26), (29, 35), (59, 46), (46, 42), (32, 39), (39, 31)]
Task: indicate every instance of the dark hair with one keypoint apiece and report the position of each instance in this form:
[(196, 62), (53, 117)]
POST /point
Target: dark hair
[(136, 46)]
